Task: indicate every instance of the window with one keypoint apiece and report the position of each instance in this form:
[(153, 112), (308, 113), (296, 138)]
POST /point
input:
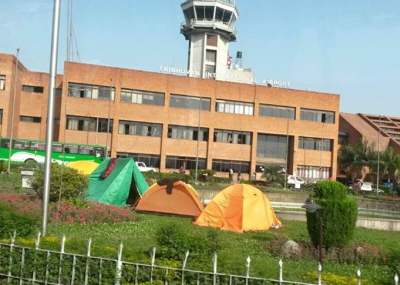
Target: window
[(58, 92), (142, 97), (30, 119), (313, 172), (1, 116), (236, 166), (212, 40), (223, 15), (140, 129), (187, 133), (2, 82), (277, 111), (315, 144), (200, 12), (17, 144), (317, 116), (189, 13), (87, 150), (89, 124), (149, 159), (91, 92), (187, 102), (175, 162), (41, 146), (72, 149), (234, 137), (35, 89), (235, 107), (272, 146)]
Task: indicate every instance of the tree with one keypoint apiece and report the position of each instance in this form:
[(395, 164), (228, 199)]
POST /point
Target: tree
[(357, 160), (273, 174), (390, 164), (339, 213), (65, 182)]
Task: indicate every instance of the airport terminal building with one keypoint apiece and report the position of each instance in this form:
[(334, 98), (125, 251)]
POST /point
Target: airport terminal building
[(168, 120)]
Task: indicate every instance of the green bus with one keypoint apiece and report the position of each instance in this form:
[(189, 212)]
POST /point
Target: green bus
[(24, 151)]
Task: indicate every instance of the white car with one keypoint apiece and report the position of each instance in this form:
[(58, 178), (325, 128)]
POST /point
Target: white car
[(293, 179), (143, 168), (365, 186)]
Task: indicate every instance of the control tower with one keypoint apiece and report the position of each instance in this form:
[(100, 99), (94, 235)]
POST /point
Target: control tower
[(209, 28)]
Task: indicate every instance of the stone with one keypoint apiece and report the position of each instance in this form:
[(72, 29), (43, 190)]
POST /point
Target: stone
[(291, 249)]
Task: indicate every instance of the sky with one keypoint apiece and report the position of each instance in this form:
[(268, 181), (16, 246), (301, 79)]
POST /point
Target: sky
[(351, 48)]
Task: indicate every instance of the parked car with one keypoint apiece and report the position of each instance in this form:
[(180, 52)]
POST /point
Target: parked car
[(143, 168), (293, 180), (361, 185)]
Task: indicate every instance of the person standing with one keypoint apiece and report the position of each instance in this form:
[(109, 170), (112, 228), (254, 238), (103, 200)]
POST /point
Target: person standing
[(231, 175), (239, 177)]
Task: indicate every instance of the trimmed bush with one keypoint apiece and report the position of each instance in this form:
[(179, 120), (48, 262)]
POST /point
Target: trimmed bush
[(339, 215), (11, 221), (70, 182)]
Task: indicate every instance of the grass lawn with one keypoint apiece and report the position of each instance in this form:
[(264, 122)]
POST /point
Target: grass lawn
[(140, 236)]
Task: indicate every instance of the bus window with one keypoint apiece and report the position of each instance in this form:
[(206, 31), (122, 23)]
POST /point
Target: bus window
[(20, 145), (71, 149), (58, 148), (5, 143), (86, 150), (41, 146), (99, 152)]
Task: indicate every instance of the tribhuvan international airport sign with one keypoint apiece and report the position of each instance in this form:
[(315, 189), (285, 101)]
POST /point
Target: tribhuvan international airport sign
[(223, 77)]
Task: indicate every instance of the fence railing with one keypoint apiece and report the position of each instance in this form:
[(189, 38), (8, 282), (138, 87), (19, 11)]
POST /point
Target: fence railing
[(34, 265)]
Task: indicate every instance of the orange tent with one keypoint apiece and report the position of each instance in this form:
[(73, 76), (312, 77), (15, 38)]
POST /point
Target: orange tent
[(182, 200), (239, 208)]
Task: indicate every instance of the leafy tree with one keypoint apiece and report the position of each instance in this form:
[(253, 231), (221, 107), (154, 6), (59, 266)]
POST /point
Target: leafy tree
[(339, 214), (65, 182), (273, 174), (390, 164), (357, 160)]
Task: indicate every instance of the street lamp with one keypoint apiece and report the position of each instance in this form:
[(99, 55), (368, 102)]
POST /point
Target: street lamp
[(321, 144), (287, 147), (379, 152), (311, 207), (198, 142)]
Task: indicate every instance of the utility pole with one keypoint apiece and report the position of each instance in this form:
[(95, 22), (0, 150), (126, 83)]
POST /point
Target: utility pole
[(379, 155), (198, 142), (12, 113), (108, 119), (50, 116), (287, 149)]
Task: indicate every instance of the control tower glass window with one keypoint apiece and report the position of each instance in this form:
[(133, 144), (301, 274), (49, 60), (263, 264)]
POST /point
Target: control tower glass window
[(189, 13), (200, 12), (209, 13)]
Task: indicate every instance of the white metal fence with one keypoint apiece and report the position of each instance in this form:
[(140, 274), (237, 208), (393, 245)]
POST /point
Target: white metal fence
[(33, 265)]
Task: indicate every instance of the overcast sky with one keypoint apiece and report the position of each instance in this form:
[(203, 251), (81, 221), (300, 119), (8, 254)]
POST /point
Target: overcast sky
[(351, 48)]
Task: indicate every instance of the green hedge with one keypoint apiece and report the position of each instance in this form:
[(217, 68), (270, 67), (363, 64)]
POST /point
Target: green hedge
[(339, 215), (11, 221)]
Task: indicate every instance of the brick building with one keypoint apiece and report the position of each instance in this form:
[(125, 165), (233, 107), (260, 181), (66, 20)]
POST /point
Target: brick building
[(167, 120)]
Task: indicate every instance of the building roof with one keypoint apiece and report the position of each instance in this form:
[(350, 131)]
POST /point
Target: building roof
[(369, 133)]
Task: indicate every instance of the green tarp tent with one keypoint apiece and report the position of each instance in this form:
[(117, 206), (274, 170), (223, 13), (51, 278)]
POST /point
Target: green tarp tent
[(119, 185)]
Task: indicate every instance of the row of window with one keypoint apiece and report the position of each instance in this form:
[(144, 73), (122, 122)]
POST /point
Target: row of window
[(89, 124), (1, 116), (196, 103), (150, 160), (57, 147), (91, 91), (140, 129), (219, 165), (315, 144)]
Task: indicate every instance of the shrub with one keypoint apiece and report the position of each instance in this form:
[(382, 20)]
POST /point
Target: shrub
[(273, 175), (158, 176), (333, 279), (339, 215), (73, 211), (11, 221), (70, 182)]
